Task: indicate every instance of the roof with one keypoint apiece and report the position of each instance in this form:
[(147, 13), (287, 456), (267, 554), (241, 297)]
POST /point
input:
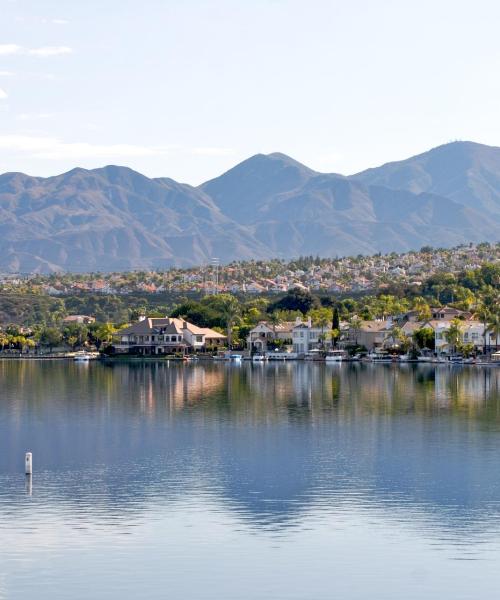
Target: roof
[(374, 326), (71, 318), (151, 325), (412, 326), (195, 330), (169, 326)]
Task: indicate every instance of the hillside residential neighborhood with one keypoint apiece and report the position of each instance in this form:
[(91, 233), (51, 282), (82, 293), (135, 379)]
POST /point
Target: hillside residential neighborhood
[(332, 276)]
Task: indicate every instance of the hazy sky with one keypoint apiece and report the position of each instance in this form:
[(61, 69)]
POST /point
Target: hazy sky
[(188, 88)]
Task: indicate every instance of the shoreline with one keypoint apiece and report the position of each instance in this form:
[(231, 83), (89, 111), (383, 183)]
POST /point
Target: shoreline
[(206, 359)]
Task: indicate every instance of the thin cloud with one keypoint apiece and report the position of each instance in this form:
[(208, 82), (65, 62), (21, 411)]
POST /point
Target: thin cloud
[(3, 94), (6, 74), (212, 151), (50, 51), (51, 148), (7, 49), (43, 51), (60, 21), (34, 116)]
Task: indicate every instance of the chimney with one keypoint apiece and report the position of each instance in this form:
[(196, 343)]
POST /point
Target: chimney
[(309, 322)]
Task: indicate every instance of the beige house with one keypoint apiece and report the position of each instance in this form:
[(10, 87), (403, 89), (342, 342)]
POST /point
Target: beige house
[(157, 336), (370, 334), (80, 319), (264, 333), (307, 337)]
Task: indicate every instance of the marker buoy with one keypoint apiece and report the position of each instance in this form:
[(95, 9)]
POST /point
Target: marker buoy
[(28, 463)]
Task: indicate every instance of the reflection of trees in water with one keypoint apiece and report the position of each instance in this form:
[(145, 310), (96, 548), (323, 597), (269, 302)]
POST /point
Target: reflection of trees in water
[(269, 439), (266, 393)]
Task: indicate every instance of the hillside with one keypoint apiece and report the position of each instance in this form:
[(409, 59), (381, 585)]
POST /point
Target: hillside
[(111, 218), (466, 172)]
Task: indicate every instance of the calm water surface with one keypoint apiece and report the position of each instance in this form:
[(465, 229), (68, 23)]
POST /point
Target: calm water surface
[(278, 481)]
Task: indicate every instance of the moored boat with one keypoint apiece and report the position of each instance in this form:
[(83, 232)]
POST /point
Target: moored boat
[(336, 356)]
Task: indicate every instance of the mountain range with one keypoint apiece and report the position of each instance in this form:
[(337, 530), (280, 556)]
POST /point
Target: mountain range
[(114, 218)]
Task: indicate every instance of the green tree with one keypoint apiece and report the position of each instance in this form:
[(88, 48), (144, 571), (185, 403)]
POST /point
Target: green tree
[(104, 334), (425, 338), (453, 334), (50, 337), (356, 324), (321, 317), (230, 310), (335, 332), (493, 327), (296, 299)]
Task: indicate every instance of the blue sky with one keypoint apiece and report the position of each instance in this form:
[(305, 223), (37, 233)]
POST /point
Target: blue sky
[(187, 89)]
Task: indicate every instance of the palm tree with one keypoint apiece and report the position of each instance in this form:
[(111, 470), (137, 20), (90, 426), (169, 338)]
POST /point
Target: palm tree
[(335, 331), (104, 333), (230, 310), (322, 317), (493, 327), (356, 323), (483, 314), (453, 334), (275, 320)]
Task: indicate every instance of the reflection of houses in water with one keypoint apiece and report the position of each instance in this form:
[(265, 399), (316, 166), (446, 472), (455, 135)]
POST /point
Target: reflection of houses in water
[(467, 387), (258, 459), (171, 387)]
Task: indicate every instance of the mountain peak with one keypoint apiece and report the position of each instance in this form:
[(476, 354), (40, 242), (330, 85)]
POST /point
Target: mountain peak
[(464, 171), (240, 191)]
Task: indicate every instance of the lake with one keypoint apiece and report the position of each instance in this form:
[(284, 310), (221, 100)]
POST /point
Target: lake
[(254, 481)]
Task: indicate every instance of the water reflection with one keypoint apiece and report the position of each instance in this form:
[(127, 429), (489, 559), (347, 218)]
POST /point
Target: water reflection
[(268, 441)]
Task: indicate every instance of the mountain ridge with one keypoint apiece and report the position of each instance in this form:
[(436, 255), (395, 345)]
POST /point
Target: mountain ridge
[(115, 218)]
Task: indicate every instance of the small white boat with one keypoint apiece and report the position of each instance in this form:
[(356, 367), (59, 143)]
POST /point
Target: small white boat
[(282, 356), (82, 356), (314, 354), (259, 358), (336, 356), (380, 357)]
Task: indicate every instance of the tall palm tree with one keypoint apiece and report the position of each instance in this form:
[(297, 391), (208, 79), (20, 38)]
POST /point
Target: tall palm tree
[(356, 323), (493, 327), (483, 314), (230, 310), (274, 319), (453, 334)]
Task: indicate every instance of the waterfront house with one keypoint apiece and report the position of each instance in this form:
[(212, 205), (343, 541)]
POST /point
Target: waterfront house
[(157, 336), (264, 334), (307, 337), (472, 332), (370, 334)]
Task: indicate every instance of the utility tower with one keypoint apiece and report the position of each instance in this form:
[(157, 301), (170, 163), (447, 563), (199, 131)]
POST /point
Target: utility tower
[(215, 275)]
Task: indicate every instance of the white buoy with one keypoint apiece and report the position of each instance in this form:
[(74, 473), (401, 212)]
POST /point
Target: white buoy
[(28, 463)]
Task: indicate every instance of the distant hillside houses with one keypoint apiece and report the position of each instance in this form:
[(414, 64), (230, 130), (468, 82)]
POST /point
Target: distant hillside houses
[(319, 275)]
